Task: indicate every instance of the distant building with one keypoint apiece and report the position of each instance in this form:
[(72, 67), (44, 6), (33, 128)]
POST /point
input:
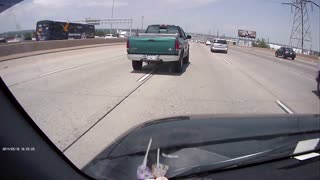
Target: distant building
[(232, 42), (244, 43), (274, 46)]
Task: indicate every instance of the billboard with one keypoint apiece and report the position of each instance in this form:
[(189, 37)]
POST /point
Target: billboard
[(246, 33), (252, 34)]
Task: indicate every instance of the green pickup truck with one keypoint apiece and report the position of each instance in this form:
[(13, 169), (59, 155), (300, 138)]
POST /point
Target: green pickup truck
[(160, 43)]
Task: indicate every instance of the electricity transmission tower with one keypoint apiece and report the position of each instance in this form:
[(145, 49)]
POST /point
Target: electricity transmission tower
[(301, 29)]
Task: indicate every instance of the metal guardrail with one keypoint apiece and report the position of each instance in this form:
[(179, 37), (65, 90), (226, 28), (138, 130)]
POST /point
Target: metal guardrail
[(18, 48)]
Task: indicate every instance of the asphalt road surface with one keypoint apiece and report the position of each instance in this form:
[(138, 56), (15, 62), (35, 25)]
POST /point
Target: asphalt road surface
[(84, 99)]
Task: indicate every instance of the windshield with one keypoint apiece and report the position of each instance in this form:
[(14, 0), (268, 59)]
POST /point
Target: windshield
[(91, 73)]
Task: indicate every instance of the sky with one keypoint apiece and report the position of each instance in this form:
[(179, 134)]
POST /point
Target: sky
[(269, 18)]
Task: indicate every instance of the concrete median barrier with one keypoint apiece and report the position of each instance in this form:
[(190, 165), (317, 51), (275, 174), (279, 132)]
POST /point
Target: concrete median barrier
[(20, 48)]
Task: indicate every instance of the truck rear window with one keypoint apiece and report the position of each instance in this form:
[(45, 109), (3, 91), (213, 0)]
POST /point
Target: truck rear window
[(163, 29)]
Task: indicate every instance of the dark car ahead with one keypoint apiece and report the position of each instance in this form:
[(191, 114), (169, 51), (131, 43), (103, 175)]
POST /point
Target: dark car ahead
[(285, 52), (3, 40)]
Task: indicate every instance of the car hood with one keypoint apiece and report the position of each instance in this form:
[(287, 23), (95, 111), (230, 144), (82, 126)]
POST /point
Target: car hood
[(207, 138)]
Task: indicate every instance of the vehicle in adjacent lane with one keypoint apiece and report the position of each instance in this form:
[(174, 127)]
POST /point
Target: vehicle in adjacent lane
[(110, 36), (55, 30), (219, 45), (160, 43), (208, 42), (3, 40), (285, 52)]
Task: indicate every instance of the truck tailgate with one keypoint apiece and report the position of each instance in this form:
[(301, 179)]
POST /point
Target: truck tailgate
[(152, 45)]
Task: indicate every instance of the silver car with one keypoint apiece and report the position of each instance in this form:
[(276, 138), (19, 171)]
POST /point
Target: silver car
[(219, 45)]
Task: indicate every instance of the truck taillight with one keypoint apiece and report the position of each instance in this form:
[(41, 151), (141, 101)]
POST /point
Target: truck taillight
[(177, 45), (128, 44)]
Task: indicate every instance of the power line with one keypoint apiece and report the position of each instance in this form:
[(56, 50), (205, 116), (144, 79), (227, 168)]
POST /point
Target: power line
[(111, 16), (301, 29), (142, 22)]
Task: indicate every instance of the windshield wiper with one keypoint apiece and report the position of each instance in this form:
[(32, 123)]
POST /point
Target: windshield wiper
[(213, 142), (267, 155)]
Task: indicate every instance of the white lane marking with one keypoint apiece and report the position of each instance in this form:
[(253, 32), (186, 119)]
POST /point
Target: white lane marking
[(284, 107), (71, 67), (227, 61), (300, 74), (145, 76), (52, 72)]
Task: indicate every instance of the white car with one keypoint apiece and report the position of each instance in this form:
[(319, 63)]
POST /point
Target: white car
[(208, 42), (219, 45), (110, 36)]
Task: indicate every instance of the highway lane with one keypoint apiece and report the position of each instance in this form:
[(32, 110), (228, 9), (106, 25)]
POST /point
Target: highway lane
[(64, 101), (306, 67), (293, 84), (84, 99), (33, 67), (209, 85)]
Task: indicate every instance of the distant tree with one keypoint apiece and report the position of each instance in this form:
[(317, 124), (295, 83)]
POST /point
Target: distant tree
[(28, 36), (260, 43), (100, 33), (263, 44)]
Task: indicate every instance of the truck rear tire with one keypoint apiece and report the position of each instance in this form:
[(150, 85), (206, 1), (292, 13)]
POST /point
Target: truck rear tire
[(186, 59), (178, 65), (137, 65)]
